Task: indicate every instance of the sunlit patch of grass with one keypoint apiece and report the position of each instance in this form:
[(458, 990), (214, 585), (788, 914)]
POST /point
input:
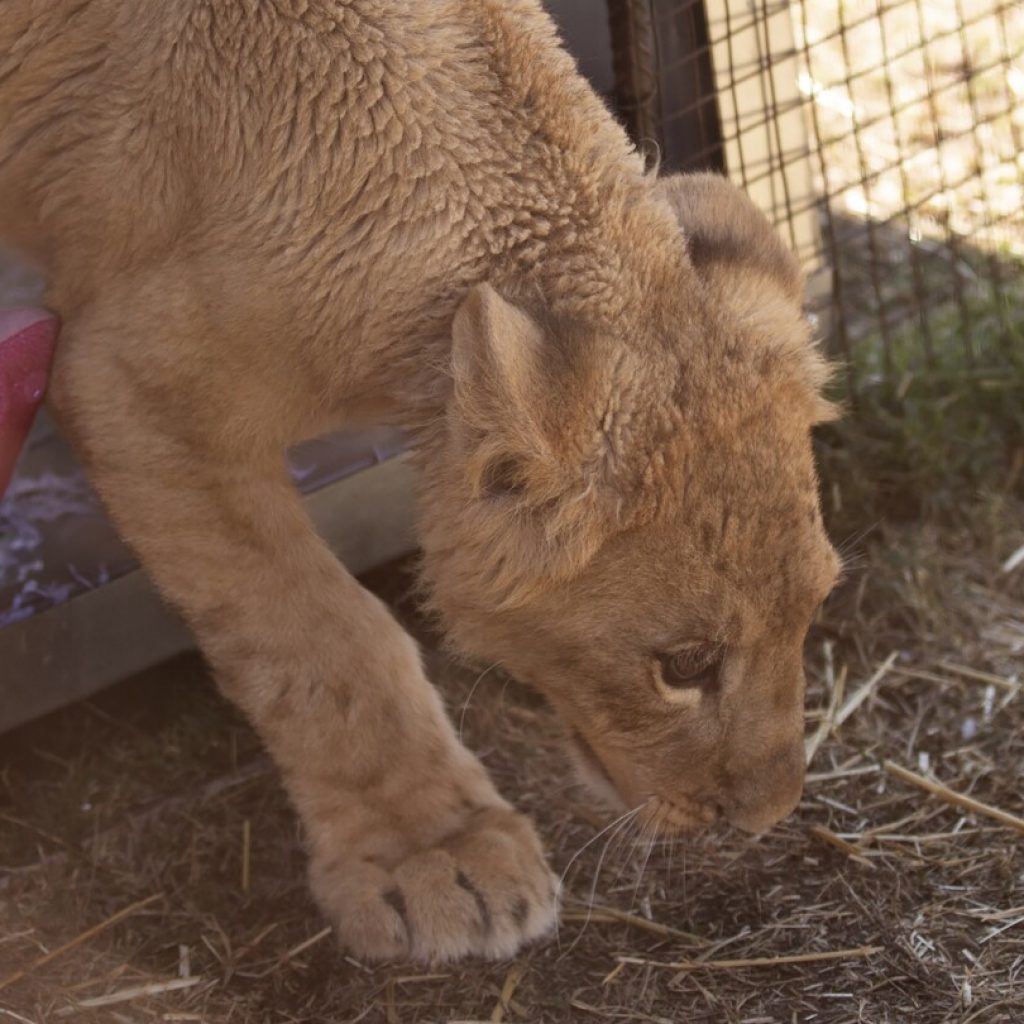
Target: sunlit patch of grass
[(924, 436)]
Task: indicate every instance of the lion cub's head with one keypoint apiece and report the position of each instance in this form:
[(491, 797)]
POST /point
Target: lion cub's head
[(631, 524)]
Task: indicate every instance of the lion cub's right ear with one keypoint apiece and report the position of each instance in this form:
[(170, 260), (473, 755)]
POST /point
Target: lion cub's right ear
[(545, 411), (520, 409), (501, 386)]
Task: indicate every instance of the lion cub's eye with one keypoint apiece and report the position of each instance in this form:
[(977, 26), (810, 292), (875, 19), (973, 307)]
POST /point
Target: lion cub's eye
[(694, 667)]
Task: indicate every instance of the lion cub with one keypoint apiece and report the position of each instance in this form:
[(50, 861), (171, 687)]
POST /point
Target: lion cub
[(261, 219)]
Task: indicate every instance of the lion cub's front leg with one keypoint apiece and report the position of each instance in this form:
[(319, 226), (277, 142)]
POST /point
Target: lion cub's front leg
[(413, 852)]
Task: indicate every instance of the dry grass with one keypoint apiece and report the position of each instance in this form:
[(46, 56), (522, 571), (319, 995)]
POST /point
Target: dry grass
[(878, 901), (151, 870)]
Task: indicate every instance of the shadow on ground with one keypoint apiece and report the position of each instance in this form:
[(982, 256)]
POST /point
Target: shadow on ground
[(151, 789)]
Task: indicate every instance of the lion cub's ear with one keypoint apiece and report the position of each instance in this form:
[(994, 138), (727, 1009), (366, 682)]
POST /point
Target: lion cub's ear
[(514, 428), (494, 338), (723, 229), (498, 357), (731, 243)]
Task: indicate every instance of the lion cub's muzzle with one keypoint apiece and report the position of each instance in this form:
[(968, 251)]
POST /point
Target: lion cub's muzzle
[(768, 790), (753, 799), (662, 815), (680, 814)]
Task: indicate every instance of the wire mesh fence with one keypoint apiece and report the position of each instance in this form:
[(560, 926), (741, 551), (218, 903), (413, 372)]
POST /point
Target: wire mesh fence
[(883, 137)]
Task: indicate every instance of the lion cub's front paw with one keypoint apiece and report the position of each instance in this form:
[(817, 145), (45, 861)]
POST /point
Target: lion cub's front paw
[(482, 891)]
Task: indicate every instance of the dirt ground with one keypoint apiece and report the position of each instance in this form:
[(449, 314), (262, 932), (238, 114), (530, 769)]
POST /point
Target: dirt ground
[(896, 905), (151, 869)]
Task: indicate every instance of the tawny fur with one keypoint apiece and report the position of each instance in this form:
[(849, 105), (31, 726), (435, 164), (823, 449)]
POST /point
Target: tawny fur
[(263, 218)]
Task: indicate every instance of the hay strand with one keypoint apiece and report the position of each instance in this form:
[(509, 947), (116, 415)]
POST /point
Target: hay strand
[(613, 914), (246, 855), (856, 953), (125, 995), (865, 690), (951, 796), (508, 990), (85, 936)]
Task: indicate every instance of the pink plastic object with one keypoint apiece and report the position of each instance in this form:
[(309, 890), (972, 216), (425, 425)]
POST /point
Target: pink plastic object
[(27, 340)]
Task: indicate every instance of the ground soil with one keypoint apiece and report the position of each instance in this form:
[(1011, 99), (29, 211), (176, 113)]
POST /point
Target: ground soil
[(156, 789)]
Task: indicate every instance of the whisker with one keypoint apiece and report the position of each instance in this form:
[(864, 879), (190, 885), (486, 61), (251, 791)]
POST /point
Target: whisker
[(653, 824), (849, 548), (627, 846), (600, 860), (597, 874), (593, 839), (469, 698), (620, 822), (624, 840)]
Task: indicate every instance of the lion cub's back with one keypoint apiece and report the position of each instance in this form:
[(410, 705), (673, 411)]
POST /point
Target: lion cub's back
[(128, 125)]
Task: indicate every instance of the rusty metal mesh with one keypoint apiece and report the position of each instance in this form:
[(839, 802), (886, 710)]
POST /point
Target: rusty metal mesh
[(883, 137)]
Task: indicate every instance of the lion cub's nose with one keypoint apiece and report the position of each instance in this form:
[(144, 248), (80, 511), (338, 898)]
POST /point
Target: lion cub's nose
[(768, 791)]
